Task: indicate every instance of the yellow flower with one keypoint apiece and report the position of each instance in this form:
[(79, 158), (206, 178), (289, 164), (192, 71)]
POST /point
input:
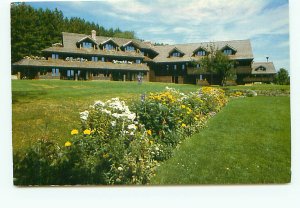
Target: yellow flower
[(74, 131), (105, 155), (87, 132), (149, 132), (151, 142), (183, 125), (182, 106), (196, 119), (68, 144)]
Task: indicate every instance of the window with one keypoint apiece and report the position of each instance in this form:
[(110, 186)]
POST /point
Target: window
[(102, 59), (109, 47), (55, 72), (175, 67), (129, 48), (86, 45), (227, 52), (54, 56), (183, 66), (201, 53), (138, 61), (176, 54), (94, 58), (198, 66), (70, 73)]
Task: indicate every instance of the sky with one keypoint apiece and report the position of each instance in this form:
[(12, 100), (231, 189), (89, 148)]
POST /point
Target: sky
[(264, 22)]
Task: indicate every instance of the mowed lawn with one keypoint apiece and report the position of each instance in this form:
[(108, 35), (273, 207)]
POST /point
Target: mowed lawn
[(50, 109), (247, 142)]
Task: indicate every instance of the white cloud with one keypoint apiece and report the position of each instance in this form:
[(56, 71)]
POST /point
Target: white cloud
[(128, 7)]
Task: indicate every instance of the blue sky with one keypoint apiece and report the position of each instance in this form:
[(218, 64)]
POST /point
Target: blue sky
[(264, 22)]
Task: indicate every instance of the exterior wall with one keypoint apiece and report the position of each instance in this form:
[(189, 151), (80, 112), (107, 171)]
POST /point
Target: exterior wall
[(166, 79), (243, 69), (259, 78)]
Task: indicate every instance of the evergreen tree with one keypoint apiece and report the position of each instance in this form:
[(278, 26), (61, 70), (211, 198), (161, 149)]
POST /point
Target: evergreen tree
[(282, 77), (35, 29)]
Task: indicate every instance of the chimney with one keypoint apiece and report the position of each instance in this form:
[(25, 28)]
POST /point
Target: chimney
[(267, 58), (94, 34)]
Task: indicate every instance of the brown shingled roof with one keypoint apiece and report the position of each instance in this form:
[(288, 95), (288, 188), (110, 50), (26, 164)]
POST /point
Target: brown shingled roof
[(76, 64), (243, 50), (263, 68), (69, 41)]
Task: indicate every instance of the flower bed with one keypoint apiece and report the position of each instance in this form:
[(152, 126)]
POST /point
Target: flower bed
[(117, 143)]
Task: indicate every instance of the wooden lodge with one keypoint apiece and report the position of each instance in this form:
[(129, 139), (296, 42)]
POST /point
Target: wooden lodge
[(91, 57)]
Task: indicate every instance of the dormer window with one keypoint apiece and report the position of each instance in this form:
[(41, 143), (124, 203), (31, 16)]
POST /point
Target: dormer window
[(86, 44), (129, 48), (175, 52), (109, 47), (201, 53), (227, 52), (260, 68)]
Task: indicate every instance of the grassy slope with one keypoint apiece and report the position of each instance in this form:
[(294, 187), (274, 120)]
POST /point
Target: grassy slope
[(248, 142), (50, 108)]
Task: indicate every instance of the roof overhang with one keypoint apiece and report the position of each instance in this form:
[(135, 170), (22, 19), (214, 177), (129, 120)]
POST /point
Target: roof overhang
[(87, 38)]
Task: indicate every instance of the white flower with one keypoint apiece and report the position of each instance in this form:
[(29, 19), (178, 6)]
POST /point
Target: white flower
[(113, 123), (131, 127), (99, 103), (116, 115), (84, 115), (106, 111), (120, 168), (131, 116), (131, 133), (156, 148)]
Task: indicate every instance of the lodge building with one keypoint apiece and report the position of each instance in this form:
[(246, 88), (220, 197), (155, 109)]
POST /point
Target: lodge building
[(91, 57)]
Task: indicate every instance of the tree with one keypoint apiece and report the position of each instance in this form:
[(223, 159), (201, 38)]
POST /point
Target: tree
[(224, 67), (216, 62), (35, 29), (282, 77)]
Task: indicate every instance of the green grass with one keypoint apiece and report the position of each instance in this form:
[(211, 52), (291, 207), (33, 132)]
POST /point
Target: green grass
[(50, 108), (247, 142)]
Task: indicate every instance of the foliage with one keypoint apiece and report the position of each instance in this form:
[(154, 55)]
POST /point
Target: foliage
[(35, 29), (282, 77), (120, 144), (171, 115)]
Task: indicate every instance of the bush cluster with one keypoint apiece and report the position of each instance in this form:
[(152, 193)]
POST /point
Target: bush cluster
[(117, 143)]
